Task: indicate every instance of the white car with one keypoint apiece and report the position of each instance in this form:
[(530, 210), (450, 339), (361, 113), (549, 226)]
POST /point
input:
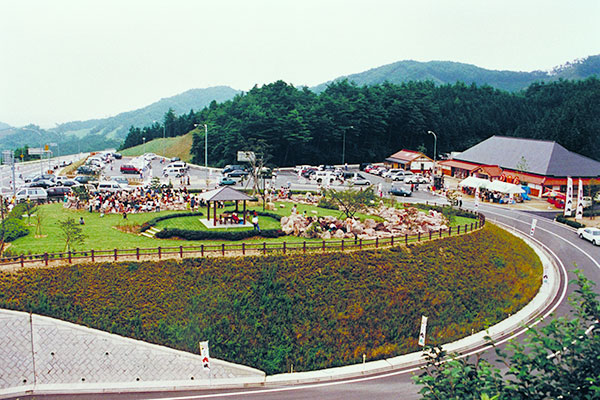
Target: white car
[(591, 234), (359, 180), (416, 178)]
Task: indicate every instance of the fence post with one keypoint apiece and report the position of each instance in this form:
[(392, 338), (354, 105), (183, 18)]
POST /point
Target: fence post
[(440, 232), (115, 255), (159, 251), (458, 230), (137, 253), (392, 241), (360, 244), (69, 256), (283, 247), (46, 258), (304, 246), (377, 242), (342, 244), (406, 238), (419, 236), (430, 232), (264, 247), (23, 262), (243, 249), (223, 248), (92, 255), (476, 224), (450, 231), (202, 250), (466, 228), (180, 251), (471, 227), (323, 245)]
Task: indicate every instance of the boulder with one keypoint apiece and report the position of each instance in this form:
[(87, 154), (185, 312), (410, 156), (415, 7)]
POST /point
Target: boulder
[(326, 235), (339, 234), (370, 223)]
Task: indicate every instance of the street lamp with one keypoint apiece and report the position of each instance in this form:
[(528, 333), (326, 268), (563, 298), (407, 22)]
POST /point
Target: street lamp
[(144, 142), (344, 145), (434, 148), (205, 144)]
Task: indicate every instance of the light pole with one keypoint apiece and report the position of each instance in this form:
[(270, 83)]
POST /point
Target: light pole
[(434, 148), (144, 142), (205, 144), (344, 145)]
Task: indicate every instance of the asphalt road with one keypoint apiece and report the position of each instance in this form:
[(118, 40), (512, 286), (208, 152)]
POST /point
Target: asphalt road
[(560, 240)]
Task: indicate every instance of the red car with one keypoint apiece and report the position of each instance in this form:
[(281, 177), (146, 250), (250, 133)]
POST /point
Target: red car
[(129, 169)]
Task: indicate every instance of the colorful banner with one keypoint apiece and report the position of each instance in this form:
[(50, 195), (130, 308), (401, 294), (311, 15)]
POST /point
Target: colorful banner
[(569, 199), (204, 354), (579, 211), (423, 331)]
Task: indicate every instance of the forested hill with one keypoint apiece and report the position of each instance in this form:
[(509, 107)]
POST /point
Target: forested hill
[(298, 126), (442, 72)]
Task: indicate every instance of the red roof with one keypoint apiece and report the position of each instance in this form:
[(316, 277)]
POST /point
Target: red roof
[(407, 155), (459, 164)]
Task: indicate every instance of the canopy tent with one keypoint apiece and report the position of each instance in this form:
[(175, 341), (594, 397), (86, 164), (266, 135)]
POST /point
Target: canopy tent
[(505, 187), (223, 194), (475, 182)]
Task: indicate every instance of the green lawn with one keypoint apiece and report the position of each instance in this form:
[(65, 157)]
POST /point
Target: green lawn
[(103, 233)]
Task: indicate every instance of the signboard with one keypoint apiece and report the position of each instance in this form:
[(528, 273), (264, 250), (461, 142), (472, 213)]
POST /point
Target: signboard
[(533, 223), (204, 354), (35, 151), (8, 157), (569, 199), (423, 331), (579, 209), (246, 156)]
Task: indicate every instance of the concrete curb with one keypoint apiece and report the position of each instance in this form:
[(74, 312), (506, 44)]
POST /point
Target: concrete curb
[(524, 317)]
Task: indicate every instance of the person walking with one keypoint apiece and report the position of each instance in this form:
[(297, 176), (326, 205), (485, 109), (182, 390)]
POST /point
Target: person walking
[(255, 222)]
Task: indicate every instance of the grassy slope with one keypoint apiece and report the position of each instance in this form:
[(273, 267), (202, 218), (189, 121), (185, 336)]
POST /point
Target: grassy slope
[(313, 311), (179, 146)]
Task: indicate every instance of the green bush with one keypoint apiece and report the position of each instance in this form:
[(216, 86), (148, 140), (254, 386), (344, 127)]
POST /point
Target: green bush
[(328, 202), (561, 218), (147, 225), (217, 235), (13, 228)]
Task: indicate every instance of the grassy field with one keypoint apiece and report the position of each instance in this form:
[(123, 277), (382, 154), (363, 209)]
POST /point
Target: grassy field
[(112, 231), (169, 147), (310, 310)]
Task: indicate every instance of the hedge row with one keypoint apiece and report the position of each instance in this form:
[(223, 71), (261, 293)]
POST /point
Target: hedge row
[(561, 218), (188, 234), (148, 224)]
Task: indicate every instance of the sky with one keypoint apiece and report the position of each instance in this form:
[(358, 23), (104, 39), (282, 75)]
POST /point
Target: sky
[(66, 60)]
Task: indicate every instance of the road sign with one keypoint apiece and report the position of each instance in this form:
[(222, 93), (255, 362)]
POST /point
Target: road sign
[(246, 156), (8, 157), (423, 331), (35, 151), (204, 354), (533, 223)]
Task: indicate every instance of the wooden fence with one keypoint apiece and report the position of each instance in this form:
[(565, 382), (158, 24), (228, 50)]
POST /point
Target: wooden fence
[(224, 250)]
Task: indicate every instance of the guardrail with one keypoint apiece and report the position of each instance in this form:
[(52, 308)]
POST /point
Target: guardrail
[(223, 250)]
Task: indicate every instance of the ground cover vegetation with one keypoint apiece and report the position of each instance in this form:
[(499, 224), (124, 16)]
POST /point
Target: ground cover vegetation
[(313, 311), (302, 127), (560, 360)]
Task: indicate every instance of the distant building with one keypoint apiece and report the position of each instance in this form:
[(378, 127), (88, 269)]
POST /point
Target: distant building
[(409, 160), (543, 165)]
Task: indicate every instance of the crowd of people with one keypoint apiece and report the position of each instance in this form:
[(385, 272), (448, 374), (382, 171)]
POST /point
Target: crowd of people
[(136, 201)]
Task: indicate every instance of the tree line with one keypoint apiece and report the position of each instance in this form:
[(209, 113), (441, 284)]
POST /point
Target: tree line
[(348, 123)]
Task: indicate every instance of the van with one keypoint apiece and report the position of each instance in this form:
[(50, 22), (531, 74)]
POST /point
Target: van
[(109, 186), (177, 164), (173, 171), (323, 177), (31, 193)]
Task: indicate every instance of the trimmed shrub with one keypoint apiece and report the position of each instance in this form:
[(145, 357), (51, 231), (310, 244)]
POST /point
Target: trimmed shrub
[(561, 218), (12, 229), (188, 234), (149, 224)]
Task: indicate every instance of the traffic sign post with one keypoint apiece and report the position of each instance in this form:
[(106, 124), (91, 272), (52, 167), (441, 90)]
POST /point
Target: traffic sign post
[(423, 331)]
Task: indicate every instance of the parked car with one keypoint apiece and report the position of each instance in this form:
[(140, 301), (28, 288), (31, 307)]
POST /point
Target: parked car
[(308, 172), (178, 164), (65, 163), (591, 234), (299, 168), (401, 176), (109, 186), (238, 173), (225, 181), (173, 171), (117, 156), (379, 171), (68, 182), (364, 166), (359, 180), (47, 177), (230, 168), (58, 191), (31, 193), (391, 172), (400, 190), (41, 183), (322, 177), (86, 170), (416, 178), (129, 169), (120, 180), (149, 156), (83, 179), (173, 159)]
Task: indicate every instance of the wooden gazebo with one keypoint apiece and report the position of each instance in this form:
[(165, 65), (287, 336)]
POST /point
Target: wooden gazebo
[(223, 194)]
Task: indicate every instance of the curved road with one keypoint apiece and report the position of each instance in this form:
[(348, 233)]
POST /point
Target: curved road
[(559, 239)]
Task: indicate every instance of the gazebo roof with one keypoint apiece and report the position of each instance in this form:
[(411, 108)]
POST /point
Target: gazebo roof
[(224, 194)]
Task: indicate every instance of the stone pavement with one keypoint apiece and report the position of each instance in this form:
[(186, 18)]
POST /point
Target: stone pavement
[(41, 351)]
